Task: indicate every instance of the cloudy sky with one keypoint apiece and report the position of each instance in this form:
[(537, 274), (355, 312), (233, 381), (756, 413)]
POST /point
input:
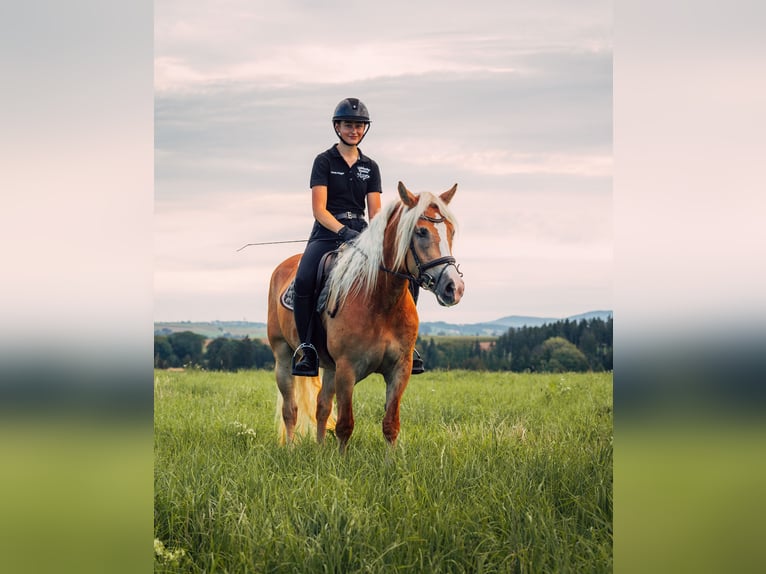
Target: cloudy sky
[(510, 100)]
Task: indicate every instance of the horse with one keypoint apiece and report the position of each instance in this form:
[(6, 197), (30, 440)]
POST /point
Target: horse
[(370, 319)]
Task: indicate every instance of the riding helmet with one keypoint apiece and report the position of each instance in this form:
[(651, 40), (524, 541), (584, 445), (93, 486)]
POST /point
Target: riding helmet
[(351, 109)]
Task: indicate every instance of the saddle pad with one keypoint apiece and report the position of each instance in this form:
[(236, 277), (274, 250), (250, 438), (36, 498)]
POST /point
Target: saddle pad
[(289, 295), (323, 271)]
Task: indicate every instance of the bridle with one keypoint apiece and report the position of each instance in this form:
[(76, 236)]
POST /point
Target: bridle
[(423, 279)]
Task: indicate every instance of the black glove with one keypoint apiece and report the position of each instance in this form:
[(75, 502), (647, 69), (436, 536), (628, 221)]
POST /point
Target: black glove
[(347, 234)]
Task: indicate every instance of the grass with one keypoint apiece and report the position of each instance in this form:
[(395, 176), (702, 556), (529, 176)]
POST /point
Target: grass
[(493, 472)]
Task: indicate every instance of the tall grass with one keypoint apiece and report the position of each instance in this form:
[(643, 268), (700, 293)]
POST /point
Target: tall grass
[(493, 472)]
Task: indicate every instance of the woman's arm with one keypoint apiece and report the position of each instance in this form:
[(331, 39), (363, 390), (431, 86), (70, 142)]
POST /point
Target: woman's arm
[(319, 208), (373, 204)]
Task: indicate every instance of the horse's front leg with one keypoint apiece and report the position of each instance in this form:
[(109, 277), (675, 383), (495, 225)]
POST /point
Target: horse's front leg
[(396, 382), (345, 378), (324, 402)]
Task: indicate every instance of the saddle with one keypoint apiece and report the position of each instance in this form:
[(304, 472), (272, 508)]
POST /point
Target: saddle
[(321, 291)]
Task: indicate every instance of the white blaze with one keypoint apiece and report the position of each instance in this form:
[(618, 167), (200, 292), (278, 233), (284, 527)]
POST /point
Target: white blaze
[(441, 229)]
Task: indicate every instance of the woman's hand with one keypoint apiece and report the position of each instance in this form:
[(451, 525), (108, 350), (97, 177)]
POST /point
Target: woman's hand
[(347, 234)]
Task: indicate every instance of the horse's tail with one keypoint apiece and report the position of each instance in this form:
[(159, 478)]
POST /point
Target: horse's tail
[(306, 390)]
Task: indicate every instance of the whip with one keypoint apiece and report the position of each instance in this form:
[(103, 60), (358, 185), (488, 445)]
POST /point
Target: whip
[(273, 243)]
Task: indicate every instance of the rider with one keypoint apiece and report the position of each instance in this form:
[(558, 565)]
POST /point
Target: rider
[(342, 180)]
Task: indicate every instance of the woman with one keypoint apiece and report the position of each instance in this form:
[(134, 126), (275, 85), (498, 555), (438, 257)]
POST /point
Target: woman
[(342, 181)]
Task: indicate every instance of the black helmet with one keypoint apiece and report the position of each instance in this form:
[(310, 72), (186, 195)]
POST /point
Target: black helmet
[(351, 109)]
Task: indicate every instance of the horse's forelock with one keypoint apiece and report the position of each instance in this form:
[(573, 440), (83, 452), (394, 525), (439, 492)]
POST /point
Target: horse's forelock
[(409, 220)]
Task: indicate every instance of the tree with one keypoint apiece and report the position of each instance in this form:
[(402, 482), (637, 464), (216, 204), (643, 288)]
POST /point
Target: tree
[(264, 357), (557, 355), (589, 348), (244, 355), (219, 355), (163, 353), (431, 355), (187, 346), (224, 354)]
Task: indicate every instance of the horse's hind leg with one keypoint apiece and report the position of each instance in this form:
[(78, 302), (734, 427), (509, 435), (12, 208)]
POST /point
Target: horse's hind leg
[(285, 383), (324, 402)]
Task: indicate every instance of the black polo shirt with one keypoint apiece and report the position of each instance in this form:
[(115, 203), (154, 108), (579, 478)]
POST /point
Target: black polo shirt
[(347, 188)]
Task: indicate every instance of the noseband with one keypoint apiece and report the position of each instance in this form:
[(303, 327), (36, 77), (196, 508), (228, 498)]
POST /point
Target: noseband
[(423, 279)]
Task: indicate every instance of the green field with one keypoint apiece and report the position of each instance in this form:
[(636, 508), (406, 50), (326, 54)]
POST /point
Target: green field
[(493, 472)]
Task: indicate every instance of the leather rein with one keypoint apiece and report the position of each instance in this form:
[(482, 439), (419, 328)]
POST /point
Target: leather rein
[(423, 279)]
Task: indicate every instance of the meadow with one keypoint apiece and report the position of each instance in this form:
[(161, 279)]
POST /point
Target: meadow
[(493, 472)]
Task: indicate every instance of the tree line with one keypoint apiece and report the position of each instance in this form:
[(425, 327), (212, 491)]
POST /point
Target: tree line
[(584, 345), (188, 349), (579, 346)]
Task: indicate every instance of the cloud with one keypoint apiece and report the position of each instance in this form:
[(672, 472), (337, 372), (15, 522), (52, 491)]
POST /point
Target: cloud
[(297, 43), (500, 162)]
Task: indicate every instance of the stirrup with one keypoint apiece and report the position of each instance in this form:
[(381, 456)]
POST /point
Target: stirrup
[(308, 365), (417, 363)]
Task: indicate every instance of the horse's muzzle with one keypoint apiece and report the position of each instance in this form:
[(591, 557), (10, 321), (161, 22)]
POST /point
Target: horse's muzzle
[(449, 287)]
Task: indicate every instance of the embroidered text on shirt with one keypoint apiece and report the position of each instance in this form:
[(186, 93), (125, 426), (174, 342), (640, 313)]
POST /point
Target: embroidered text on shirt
[(362, 172)]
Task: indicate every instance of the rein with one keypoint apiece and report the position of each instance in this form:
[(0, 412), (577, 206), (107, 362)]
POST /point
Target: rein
[(423, 279)]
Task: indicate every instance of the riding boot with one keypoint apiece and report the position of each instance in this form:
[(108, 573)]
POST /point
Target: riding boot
[(417, 363), (308, 365)]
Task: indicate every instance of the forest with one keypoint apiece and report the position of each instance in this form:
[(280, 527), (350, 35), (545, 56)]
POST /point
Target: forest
[(563, 346)]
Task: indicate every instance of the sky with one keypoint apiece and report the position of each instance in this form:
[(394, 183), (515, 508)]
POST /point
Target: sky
[(510, 100)]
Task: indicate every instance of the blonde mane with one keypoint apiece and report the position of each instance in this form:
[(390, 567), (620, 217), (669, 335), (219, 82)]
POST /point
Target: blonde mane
[(356, 271)]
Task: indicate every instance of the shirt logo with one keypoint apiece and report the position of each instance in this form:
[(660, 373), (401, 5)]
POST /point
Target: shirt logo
[(337, 173), (362, 172)]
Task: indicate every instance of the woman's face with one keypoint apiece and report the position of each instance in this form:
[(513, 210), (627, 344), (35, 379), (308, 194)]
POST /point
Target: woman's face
[(351, 132)]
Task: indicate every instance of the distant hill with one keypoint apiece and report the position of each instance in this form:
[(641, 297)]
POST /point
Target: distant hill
[(214, 329), (500, 326), (240, 329)]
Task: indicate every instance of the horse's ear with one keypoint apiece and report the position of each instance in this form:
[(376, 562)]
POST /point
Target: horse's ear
[(446, 197), (408, 198)]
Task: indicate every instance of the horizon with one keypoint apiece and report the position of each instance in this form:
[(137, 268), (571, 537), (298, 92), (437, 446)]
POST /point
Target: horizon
[(512, 316)]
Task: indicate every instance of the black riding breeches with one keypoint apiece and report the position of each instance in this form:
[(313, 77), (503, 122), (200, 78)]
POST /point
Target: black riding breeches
[(321, 241)]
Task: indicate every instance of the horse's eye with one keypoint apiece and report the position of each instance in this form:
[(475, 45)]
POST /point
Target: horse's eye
[(421, 232)]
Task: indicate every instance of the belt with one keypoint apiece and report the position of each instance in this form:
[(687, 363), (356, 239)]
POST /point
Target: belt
[(348, 215)]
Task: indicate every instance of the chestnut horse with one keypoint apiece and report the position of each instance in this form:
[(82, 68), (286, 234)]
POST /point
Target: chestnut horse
[(370, 318)]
